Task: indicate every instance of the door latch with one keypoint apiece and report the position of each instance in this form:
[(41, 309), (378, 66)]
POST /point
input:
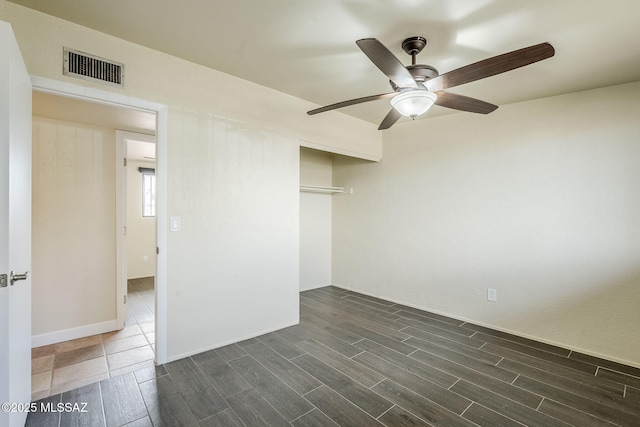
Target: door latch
[(16, 277), (3, 280)]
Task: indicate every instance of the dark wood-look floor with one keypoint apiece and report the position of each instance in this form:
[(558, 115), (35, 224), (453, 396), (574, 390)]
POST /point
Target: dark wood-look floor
[(360, 361)]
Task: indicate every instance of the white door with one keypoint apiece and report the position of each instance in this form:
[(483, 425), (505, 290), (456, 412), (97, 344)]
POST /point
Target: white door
[(15, 230)]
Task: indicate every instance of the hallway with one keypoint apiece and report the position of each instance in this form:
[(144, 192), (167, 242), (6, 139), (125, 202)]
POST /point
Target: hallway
[(60, 367)]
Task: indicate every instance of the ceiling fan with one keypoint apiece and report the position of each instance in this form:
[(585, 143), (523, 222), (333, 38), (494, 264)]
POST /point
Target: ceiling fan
[(417, 87)]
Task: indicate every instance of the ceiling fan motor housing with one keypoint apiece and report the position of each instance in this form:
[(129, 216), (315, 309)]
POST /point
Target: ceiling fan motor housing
[(421, 73)]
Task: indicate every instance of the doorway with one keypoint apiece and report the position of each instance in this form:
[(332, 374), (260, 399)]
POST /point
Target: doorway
[(86, 348), (139, 257)]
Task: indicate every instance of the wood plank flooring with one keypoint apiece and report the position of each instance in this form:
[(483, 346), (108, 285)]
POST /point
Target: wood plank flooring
[(359, 361)]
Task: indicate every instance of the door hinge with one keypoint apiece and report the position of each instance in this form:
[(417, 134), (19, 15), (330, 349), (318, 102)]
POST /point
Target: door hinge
[(125, 161), (125, 231), (157, 250), (125, 299)]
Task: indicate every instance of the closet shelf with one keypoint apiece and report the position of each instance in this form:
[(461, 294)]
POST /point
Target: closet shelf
[(319, 189)]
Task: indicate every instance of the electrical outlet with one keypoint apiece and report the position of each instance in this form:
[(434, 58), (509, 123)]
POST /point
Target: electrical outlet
[(492, 295)]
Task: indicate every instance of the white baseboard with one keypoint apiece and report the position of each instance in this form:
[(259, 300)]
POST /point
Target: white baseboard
[(232, 341), (73, 333), (311, 287)]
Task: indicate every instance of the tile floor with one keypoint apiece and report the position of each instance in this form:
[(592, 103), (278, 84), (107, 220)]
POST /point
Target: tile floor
[(71, 364), (360, 361)]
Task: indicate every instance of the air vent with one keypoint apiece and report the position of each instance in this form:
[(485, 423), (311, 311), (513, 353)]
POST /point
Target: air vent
[(93, 68)]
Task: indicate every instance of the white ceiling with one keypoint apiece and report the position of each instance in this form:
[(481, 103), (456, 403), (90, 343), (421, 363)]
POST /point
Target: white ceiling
[(306, 47), (98, 114), (69, 109)]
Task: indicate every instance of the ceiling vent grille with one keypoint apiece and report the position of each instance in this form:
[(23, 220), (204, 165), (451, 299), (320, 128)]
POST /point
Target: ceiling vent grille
[(93, 68)]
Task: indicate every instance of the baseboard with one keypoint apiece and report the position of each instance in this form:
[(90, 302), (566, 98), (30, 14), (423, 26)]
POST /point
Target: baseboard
[(73, 333), (232, 341), (312, 287), (142, 277)]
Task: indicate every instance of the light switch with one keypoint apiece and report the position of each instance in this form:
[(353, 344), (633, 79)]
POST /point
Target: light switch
[(175, 223)]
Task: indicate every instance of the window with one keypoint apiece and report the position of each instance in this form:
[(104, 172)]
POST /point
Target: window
[(148, 192)]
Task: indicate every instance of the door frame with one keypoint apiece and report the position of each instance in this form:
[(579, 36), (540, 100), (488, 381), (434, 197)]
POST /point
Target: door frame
[(84, 93), (122, 138)]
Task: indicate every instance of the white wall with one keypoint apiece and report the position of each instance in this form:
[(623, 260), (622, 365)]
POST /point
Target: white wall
[(234, 266), (315, 220), (539, 200), (74, 278), (141, 231)]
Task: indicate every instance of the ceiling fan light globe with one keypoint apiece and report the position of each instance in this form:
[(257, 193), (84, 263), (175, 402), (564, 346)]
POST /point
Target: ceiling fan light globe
[(413, 103)]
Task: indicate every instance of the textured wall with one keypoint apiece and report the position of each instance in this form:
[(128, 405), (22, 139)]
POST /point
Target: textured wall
[(141, 231), (538, 200), (74, 236)]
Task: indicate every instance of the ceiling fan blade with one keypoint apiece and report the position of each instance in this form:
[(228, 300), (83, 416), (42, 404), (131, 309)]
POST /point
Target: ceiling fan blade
[(463, 103), (387, 63), (389, 120), (351, 102), (491, 66)]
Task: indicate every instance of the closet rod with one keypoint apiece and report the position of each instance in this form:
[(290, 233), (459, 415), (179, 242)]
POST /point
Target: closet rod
[(319, 189)]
